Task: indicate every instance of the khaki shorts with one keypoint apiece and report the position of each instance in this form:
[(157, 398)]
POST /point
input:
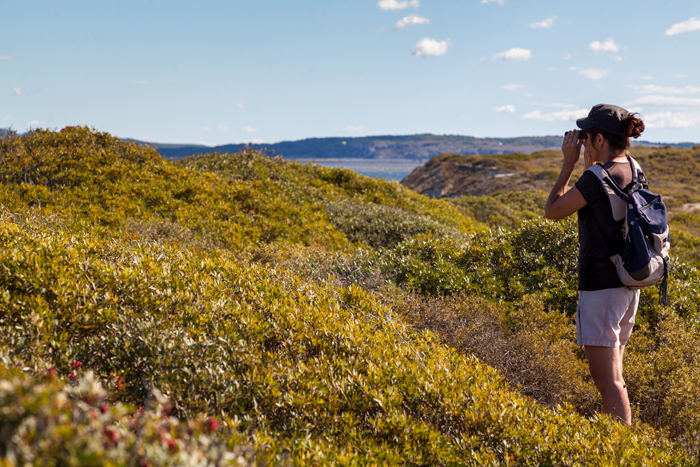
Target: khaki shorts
[(605, 317)]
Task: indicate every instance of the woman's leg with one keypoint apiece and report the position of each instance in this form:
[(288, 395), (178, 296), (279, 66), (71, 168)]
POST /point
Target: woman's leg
[(605, 364)]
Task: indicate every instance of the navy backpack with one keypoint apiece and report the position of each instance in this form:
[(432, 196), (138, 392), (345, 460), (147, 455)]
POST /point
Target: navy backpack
[(644, 260)]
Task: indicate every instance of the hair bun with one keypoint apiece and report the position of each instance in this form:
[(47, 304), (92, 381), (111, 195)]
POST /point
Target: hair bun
[(633, 126)]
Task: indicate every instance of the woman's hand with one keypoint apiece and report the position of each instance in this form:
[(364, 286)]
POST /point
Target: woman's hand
[(562, 202), (571, 147)]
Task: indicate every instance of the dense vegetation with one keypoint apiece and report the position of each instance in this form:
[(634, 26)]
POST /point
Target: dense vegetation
[(286, 313)]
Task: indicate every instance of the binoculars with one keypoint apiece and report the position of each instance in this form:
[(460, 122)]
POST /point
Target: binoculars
[(581, 134)]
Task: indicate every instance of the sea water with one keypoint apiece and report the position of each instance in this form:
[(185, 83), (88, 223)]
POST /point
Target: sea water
[(388, 169)]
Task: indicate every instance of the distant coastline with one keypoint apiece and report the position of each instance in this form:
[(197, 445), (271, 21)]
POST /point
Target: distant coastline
[(415, 148), (418, 148)]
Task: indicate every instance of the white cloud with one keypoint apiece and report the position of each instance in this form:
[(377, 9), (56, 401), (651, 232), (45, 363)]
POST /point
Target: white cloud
[(654, 99), (34, 123), (223, 128), (516, 54), (500, 2), (240, 105), (396, 5), (6, 57), (354, 129), (544, 24), (680, 75), (411, 19), (652, 88), (505, 108), (17, 92), (250, 129), (608, 46), (558, 116), (671, 120), (646, 77), (592, 73), (617, 58), (693, 24), (430, 47), (513, 87), (8, 117)]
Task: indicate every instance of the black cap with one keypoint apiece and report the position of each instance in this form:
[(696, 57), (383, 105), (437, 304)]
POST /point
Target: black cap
[(605, 117)]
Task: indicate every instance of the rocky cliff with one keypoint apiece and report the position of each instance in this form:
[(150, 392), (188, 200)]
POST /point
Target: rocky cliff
[(449, 176)]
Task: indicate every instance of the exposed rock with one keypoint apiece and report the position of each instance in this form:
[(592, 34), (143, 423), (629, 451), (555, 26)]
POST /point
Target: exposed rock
[(688, 207), (448, 178)]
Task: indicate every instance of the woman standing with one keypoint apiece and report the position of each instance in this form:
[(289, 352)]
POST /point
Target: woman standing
[(606, 308)]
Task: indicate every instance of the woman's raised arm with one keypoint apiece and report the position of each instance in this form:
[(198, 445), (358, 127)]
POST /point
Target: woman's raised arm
[(562, 203)]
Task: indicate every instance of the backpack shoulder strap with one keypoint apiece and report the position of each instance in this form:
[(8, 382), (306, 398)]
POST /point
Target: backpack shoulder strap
[(611, 187), (639, 180)]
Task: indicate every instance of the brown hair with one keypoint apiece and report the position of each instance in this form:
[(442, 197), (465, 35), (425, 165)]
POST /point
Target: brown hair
[(632, 127)]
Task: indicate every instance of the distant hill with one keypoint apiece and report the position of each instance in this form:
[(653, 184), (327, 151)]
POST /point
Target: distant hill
[(413, 147), (673, 171)]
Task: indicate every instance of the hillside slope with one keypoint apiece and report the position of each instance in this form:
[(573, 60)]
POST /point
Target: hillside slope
[(302, 314), (451, 175), (481, 184)]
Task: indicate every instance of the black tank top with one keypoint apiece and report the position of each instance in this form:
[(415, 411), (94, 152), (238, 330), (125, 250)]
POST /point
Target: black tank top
[(598, 242)]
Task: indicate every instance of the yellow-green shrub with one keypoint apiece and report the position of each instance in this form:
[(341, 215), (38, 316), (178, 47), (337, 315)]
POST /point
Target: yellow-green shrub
[(47, 422), (226, 201), (505, 210), (331, 184), (324, 371), (535, 351)]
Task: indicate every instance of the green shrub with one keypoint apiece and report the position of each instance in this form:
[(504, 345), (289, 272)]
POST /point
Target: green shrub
[(685, 237), (381, 226), (229, 282), (506, 210), (326, 185), (45, 422), (222, 201), (538, 258), (325, 372), (95, 179), (535, 351), (661, 370)]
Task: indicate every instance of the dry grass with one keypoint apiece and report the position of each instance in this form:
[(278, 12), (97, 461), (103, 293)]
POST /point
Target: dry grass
[(533, 349)]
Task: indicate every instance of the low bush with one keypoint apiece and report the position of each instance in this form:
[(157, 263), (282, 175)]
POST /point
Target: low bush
[(322, 316), (232, 201), (538, 258), (47, 422), (685, 237), (327, 373), (328, 185), (381, 226), (535, 351), (505, 210), (662, 370)]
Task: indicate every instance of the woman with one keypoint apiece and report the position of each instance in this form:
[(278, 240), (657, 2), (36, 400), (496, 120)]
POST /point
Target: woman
[(606, 308)]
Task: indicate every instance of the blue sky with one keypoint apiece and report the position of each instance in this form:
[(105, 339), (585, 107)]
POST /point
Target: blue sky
[(218, 72)]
